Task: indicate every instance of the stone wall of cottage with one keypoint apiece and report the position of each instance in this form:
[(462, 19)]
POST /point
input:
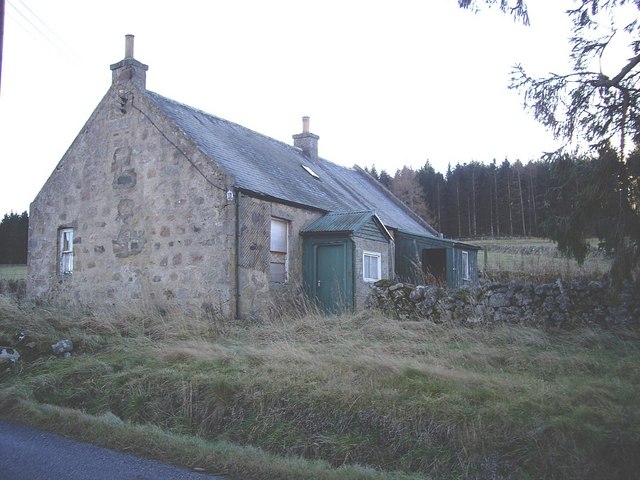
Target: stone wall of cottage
[(257, 293), (150, 216), (562, 304), (362, 288)]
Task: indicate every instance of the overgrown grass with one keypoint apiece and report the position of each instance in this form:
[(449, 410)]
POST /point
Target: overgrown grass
[(361, 394)]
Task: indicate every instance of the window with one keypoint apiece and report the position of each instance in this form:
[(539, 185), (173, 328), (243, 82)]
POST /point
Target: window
[(65, 243), (465, 266), (371, 266), (279, 249), (310, 172)]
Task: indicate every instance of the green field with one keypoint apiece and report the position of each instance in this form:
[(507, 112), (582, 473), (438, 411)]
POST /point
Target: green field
[(13, 272), (535, 258)]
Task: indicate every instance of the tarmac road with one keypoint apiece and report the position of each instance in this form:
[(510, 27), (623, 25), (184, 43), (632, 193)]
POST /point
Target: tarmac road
[(30, 454)]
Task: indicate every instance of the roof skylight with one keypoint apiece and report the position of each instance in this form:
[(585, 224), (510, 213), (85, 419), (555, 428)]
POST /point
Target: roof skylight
[(310, 172)]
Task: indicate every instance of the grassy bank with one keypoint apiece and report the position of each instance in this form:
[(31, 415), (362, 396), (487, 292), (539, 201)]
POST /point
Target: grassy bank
[(361, 396)]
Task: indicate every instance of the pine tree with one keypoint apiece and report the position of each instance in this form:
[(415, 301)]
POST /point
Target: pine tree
[(13, 238), (385, 179), (406, 187), (592, 104)]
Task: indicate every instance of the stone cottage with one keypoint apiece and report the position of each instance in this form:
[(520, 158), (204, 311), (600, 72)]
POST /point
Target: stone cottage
[(159, 202)]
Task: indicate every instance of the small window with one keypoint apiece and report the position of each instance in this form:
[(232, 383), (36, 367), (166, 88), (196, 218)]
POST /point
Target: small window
[(310, 172), (279, 249), (65, 242), (465, 266), (371, 266)]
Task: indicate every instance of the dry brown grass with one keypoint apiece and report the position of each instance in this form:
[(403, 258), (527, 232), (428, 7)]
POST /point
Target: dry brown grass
[(397, 395)]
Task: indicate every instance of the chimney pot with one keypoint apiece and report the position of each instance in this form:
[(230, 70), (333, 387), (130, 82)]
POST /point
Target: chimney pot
[(128, 47), (305, 124)]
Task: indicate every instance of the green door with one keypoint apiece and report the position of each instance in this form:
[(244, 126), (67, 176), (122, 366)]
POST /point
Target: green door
[(331, 278)]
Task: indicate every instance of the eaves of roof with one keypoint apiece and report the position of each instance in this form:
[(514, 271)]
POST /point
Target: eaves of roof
[(445, 242)]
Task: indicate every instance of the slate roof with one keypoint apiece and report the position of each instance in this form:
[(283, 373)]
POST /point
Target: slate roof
[(266, 166)]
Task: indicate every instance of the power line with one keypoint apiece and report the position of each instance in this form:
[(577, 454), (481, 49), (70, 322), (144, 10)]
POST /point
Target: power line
[(39, 26), (15, 20), (43, 24), (29, 22)]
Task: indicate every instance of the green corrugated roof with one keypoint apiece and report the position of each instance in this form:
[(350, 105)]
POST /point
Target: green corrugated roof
[(345, 222)]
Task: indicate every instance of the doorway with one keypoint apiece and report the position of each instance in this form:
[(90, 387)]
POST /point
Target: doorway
[(434, 265), (331, 277)]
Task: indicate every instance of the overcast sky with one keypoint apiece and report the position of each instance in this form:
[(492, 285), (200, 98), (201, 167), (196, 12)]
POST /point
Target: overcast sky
[(389, 83)]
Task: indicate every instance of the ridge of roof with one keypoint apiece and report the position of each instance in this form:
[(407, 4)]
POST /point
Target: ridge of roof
[(352, 212), (229, 122)]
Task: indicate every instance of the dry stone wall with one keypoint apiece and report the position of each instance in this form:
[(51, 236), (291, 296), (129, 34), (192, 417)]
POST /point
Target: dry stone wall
[(561, 304)]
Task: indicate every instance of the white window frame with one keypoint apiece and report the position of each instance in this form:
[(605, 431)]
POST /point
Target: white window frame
[(465, 266), (277, 251), (378, 257), (65, 251)]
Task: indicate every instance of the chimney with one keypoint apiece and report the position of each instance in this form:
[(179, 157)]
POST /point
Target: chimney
[(128, 46), (306, 141), (129, 69)]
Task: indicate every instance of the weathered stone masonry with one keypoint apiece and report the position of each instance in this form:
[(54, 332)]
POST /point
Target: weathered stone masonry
[(253, 250), (145, 207), (561, 304)]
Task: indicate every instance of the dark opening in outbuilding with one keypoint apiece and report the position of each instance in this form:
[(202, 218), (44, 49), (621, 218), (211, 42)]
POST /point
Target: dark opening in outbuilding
[(434, 262)]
